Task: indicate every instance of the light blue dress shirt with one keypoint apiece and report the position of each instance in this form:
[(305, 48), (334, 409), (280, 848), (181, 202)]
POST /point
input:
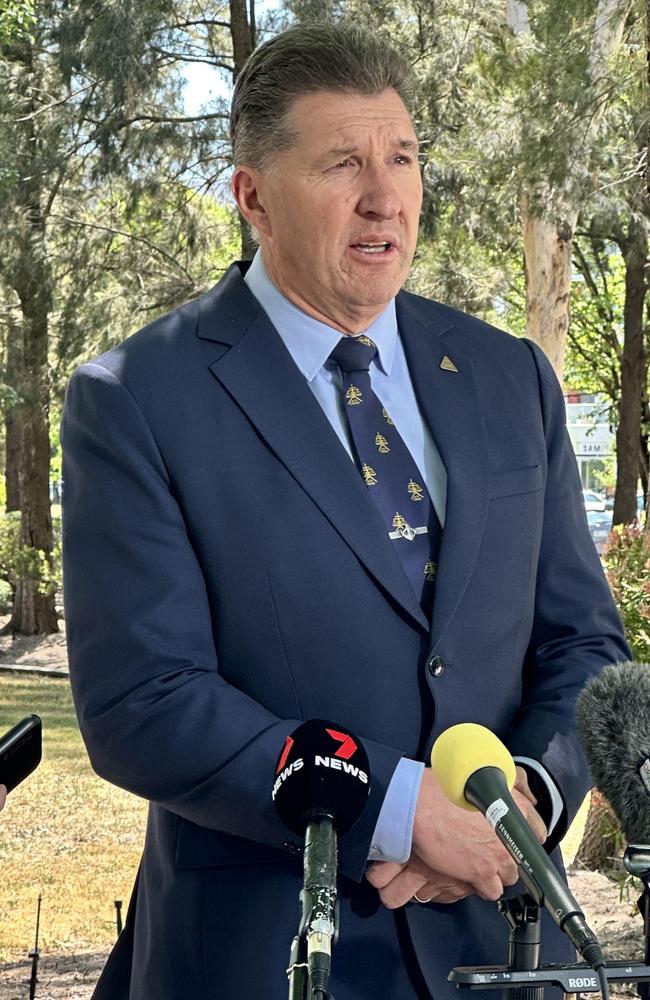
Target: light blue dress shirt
[(310, 344)]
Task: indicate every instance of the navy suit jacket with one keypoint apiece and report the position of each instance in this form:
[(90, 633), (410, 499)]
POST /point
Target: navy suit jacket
[(227, 576)]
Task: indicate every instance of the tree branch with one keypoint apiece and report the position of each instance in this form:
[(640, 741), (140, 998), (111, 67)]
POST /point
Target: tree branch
[(180, 57), (128, 236), (201, 23), (163, 119)]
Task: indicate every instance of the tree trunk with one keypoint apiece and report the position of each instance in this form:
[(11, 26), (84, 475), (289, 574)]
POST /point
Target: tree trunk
[(547, 265), (242, 33), (547, 238), (13, 422), (633, 375), (33, 610), (647, 56), (600, 841)]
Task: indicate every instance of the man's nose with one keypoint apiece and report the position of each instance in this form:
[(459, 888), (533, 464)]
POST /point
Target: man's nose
[(380, 197)]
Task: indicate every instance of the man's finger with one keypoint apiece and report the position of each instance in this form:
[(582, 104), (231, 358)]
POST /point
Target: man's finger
[(491, 888), (521, 784), (532, 817), (445, 891), (403, 888), (381, 873)]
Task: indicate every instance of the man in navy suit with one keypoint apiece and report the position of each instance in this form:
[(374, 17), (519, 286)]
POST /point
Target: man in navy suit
[(229, 570)]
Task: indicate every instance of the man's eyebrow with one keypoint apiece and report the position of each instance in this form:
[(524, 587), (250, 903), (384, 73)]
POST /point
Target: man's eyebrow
[(408, 144)]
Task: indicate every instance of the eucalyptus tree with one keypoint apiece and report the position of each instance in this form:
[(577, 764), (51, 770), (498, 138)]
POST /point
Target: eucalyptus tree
[(89, 94), (611, 254)]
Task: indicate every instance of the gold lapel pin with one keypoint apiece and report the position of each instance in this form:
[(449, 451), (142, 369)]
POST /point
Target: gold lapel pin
[(448, 365)]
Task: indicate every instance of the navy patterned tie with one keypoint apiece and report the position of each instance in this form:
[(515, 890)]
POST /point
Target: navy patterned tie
[(387, 466)]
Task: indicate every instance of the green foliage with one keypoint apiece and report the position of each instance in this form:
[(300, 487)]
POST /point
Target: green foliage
[(595, 338), (23, 562), (627, 561), (134, 262), (17, 19)]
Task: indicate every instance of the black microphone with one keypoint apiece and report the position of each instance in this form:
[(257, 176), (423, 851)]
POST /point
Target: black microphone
[(321, 786), (613, 716), (476, 770)]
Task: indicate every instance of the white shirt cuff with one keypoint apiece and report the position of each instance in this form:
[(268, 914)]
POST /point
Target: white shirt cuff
[(393, 834), (557, 804)]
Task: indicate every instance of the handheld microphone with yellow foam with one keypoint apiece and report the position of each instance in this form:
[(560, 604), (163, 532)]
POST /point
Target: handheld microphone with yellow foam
[(476, 771)]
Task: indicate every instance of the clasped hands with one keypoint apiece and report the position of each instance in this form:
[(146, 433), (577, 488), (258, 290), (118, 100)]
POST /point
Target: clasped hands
[(454, 853)]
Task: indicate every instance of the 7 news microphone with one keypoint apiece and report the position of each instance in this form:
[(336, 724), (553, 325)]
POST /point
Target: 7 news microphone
[(321, 786), (476, 771)]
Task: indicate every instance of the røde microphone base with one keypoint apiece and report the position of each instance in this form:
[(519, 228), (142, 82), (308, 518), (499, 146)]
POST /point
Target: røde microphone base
[(524, 979), (577, 978)]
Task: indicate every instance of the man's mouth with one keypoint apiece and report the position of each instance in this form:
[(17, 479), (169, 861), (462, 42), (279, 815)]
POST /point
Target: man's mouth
[(372, 247)]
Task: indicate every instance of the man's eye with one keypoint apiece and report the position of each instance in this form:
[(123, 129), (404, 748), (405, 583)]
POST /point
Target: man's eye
[(401, 159)]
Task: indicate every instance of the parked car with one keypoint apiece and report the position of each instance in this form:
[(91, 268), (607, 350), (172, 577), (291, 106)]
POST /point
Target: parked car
[(593, 500), (600, 525)]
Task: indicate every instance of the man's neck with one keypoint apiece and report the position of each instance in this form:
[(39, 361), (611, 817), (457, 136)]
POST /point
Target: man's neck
[(351, 324)]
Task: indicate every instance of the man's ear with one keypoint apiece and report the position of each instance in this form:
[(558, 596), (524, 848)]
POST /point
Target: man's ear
[(246, 185)]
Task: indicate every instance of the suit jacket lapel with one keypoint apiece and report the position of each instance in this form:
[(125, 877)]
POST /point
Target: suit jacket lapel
[(260, 375), (451, 406)]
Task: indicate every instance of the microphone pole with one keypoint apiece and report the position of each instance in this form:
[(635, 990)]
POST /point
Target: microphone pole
[(297, 971), (321, 786), (637, 862)]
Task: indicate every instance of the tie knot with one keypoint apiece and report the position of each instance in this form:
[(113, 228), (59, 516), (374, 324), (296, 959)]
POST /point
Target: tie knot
[(354, 354)]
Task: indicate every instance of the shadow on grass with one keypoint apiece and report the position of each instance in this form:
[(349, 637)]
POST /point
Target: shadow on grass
[(50, 698), (60, 976)]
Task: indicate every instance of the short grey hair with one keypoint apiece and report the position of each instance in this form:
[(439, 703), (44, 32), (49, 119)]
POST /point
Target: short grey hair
[(302, 60)]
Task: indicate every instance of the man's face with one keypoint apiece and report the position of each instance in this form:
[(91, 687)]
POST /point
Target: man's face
[(339, 210)]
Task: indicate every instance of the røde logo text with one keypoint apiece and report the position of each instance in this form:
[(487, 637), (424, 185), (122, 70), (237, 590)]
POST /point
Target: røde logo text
[(583, 983)]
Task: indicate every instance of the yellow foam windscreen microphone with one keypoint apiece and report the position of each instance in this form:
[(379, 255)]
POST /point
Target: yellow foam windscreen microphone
[(461, 751)]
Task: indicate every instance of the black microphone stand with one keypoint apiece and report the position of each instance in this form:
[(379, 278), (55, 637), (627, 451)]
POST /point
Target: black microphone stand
[(637, 862), (521, 914), (299, 988), (297, 971), (524, 979)]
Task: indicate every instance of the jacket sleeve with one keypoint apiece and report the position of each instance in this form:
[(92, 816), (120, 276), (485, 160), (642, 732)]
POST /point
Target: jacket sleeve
[(576, 628), (157, 717)]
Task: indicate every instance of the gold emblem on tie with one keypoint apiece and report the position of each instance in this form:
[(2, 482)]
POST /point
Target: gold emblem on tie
[(386, 417), (399, 522), (354, 396), (366, 340), (382, 444), (448, 365), (415, 490), (369, 475), (430, 571)]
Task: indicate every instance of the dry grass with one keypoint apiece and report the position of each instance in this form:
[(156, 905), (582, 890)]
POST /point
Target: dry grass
[(64, 833)]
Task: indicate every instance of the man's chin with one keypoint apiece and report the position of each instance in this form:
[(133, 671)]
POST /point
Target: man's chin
[(373, 294)]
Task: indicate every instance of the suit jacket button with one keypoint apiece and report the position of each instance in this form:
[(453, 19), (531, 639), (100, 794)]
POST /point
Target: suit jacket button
[(435, 666)]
